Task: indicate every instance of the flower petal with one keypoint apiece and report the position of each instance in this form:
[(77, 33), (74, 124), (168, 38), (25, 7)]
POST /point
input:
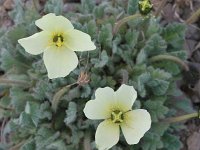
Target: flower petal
[(137, 123), (79, 41), (36, 43), (96, 109), (101, 107), (105, 94), (51, 22), (59, 62), (125, 97), (107, 135)]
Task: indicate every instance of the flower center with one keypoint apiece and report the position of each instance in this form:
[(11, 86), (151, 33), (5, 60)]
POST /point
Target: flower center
[(58, 40), (117, 116), (145, 6)]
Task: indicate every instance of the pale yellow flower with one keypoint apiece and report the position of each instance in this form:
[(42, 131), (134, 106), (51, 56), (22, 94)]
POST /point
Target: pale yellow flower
[(116, 109), (58, 40)]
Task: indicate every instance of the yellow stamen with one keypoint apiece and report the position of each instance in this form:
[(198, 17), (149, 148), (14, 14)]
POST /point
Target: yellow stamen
[(117, 116), (59, 43), (58, 39)]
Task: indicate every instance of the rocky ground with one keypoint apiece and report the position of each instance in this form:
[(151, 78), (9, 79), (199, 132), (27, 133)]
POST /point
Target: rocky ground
[(172, 10)]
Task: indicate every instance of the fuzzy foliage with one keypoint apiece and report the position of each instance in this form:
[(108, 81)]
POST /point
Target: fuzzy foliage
[(125, 57)]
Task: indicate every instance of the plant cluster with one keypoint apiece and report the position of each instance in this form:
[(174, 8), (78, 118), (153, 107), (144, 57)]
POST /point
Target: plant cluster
[(40, 113)]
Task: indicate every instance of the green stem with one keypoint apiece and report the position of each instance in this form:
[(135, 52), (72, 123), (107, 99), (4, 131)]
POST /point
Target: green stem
[(35, 2), (194, 17), (2, 137), (59, 94), (182, 118), (17, 146), (124, 20), (5, 108), (172, 58), (14, 82), (22, 64)]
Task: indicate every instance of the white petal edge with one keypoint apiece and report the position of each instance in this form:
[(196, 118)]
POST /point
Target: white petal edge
[(97, 109), (52, 23), (137, 123), (79, 41), (125, 97), (59, 61), (107, 135), (36, 43), (102, 106), (106, 94)]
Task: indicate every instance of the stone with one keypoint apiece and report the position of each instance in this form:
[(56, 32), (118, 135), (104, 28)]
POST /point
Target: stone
[(193, 141), (8, 4)]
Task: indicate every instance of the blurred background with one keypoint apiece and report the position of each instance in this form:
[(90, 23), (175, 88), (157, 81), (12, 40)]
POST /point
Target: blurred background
[(185, 11)]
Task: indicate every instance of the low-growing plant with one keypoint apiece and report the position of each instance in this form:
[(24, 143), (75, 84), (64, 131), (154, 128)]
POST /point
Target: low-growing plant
[(133, 49)]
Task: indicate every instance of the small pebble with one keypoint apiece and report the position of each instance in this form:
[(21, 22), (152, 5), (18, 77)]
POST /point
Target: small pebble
[(8, 4)]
